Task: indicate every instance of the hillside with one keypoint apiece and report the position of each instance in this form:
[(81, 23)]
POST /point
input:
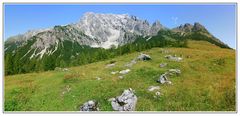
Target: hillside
[(206, 83)]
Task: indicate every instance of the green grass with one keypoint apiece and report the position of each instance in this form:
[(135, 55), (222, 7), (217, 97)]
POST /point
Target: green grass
[(207, 83)]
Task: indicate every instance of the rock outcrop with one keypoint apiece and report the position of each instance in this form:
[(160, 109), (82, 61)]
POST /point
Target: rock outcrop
[(164, 79), (126, 102), (173, 58), (90, 106), (143, 57), (124, 71)]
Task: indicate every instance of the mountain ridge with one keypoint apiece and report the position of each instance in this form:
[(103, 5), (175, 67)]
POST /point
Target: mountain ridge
[(95, 37), (112, 36)]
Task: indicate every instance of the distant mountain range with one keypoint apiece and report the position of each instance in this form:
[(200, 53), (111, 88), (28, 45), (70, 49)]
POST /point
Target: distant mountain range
[(93, 31)]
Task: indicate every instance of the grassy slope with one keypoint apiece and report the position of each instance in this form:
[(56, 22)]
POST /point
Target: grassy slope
[(207, 83)]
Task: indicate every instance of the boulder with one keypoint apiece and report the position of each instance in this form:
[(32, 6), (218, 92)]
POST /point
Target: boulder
[(126, 102), (143, 57), (162, 65), (124, 71), (152, 88), (164, 79), (90, 106), (174, 71), (121, 77), (65, 69), (173, 58), (114, 72), (110, 65)]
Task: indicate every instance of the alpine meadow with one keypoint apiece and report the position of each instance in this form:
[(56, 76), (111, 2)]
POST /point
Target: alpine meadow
[(119, 62)]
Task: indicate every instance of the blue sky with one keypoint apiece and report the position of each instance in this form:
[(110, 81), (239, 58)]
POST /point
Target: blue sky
[(219, 19)]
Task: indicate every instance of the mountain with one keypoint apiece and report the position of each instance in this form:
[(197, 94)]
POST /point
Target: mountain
[(94, 37), (112, 29), (198, 32)]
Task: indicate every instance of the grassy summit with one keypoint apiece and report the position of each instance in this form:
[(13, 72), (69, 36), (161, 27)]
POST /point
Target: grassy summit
[(207, 83)]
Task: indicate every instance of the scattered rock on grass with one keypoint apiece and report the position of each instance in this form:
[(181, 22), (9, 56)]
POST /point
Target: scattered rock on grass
[(173, 58), (114, 72), (162, 65), (61, 69), (121, 77), (144, 57), (126, 102), (65, 69), (110, 65), (125, 71), (152, 88), (174, 71), (164, 79), (90, 106)]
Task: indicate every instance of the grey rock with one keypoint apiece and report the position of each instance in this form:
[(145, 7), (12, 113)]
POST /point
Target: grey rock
[(111, 99), (152, 88), (162, 65), (110, 65), (144, 57), (126, 102), (173, 58), (65, 69), (124, 71), (114, 72), (58, 69), (174, 71), (121, 77), (90, 106), (61, 69), (164, 79)]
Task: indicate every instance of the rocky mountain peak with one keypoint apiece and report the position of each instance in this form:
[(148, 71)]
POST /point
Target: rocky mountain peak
[(190, 28), (97, 30), (156, 26), (114, 29), (198, 27)]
